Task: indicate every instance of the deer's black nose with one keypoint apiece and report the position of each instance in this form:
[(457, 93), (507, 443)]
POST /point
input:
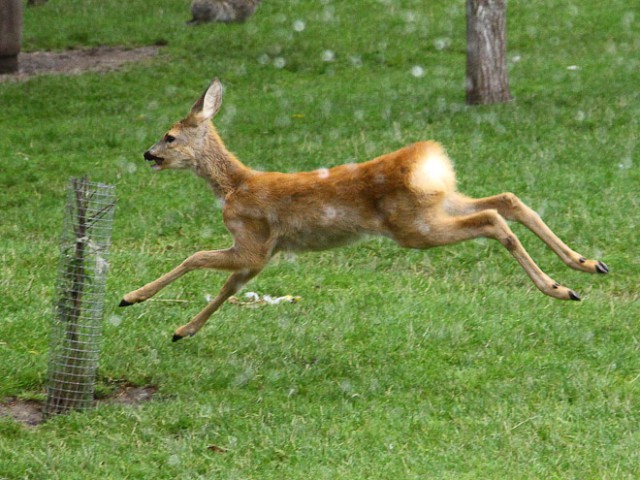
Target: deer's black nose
[(149, 156)]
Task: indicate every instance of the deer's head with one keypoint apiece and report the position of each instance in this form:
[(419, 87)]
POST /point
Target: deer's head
[(183, 146)]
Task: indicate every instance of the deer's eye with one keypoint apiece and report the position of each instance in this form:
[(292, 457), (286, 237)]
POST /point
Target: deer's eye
[(169, 138)]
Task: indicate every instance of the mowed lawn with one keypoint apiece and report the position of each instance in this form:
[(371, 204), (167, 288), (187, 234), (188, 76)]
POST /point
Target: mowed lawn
[(395, 364)]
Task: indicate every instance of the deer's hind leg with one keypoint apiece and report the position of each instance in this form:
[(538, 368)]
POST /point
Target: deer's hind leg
[(512, 208), (448, 229)]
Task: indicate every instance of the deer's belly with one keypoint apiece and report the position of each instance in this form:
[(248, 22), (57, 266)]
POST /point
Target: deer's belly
[(317, 240)]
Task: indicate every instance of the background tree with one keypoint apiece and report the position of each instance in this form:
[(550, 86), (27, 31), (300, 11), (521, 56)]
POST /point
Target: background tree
[(487, 79), (10, 34)]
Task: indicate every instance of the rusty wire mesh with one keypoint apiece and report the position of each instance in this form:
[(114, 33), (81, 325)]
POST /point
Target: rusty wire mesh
[(77, 321)]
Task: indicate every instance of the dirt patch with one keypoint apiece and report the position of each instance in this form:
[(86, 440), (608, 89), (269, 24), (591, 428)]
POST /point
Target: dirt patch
[(30, 412), (74, 62), (128, 394)]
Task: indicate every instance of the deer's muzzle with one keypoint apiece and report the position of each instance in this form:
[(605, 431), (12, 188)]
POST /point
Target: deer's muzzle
[(150, 157)]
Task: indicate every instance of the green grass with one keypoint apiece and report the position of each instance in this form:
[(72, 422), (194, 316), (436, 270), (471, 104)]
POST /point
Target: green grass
[(395, 364)]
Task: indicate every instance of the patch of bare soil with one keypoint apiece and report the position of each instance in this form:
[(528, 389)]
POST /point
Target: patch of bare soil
[(30, 412), (128, 394), (74, 62)]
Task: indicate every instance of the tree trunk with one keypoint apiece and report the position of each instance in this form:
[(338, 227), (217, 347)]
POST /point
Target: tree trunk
[(10, 34), (487, 79)]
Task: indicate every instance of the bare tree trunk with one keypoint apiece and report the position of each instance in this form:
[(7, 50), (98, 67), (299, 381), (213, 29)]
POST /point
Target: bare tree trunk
[(10, 34), (487, 79)]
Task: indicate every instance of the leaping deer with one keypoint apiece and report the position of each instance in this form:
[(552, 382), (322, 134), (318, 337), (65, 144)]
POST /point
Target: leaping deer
[(408, 196)]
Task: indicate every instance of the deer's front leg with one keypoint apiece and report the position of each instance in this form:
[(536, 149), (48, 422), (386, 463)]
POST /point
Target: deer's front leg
[(230, 259), (235, 282)]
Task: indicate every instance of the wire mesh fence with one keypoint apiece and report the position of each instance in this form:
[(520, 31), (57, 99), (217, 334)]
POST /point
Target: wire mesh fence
[(77, 321)]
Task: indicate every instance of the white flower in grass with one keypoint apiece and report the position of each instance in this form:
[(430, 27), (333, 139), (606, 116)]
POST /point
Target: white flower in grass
[(115, 320), (356, 61), (417, 71), (328, 56), (626, 164), (442, 43)]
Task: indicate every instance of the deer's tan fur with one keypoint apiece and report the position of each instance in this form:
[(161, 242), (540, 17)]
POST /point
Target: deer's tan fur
[(408, 196)]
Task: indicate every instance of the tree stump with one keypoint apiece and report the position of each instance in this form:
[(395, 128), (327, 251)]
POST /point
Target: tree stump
[(226, 11), (487, 78), (10, 34)]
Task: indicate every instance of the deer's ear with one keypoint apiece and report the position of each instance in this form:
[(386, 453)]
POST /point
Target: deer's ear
[(209, 103)]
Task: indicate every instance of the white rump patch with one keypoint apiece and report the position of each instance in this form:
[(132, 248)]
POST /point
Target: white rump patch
[(433, 171)]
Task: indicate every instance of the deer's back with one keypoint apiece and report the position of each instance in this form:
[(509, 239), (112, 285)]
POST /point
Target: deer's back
[(326, 208)]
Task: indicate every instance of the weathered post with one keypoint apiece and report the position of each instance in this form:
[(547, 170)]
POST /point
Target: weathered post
[(10, 34), (77, 323)]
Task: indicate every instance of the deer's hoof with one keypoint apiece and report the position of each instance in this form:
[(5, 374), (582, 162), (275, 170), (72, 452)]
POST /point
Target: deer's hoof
[(574, 296), (601, 267), (124, 303)]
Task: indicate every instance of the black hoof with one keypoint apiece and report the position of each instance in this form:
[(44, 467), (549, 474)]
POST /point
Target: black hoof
[(574, 296), (124, 303), (176, 337), (602, 268)]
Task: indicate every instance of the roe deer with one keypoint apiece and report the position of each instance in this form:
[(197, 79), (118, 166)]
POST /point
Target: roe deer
[(408, 195)]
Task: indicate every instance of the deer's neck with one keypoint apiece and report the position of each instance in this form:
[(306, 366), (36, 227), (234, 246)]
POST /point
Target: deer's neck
[(219, 167)]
